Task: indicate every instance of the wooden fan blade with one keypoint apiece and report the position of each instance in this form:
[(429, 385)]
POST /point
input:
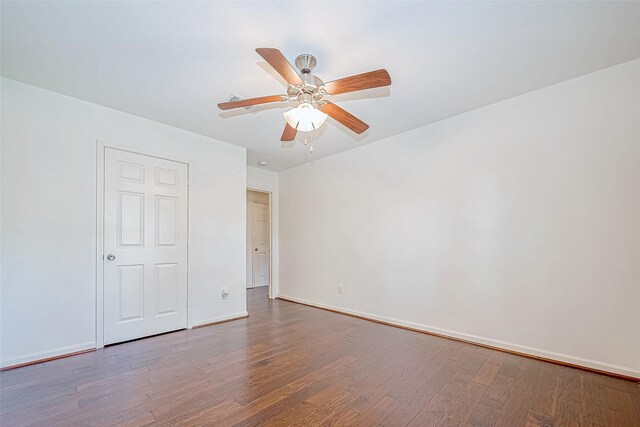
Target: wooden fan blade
[(251, 101), (276, 59), (344, 117), (289, 133), (362, 81)]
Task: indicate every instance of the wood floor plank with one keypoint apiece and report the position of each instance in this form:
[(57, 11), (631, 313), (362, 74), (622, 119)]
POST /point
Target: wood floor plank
[(486, 414), (141, 420), (461, 410), (592, 399), (289, 364), (208, 414), (403, 415), (475, 361), (528, 375), (511, 366), (634, 392), (500, 388), (497, 357), (327, 394), (407, 389), (537, 419), (545, 395), (435, 410), (377, 412), (568, 411), (486, 374), (292, 414), (515, 409), (322, 414), (620, 408)]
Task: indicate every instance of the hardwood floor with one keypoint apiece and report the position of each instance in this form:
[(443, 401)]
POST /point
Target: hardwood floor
[(289, 364)]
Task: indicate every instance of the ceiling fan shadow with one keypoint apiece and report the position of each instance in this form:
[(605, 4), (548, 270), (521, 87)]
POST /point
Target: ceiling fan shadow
[(287, 144), (269, 69), (378, 92), (342, 128), (312, 136), (255, 109)]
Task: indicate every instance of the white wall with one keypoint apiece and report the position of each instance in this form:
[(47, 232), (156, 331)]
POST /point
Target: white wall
[(264, 180), (516, 225), (49, 218)]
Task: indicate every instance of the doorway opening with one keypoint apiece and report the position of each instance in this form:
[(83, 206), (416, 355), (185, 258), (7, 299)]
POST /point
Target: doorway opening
[(258, 244)]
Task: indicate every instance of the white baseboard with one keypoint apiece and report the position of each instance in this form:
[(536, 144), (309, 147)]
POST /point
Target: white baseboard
[(31, 357), (535, 352), (220, 319)]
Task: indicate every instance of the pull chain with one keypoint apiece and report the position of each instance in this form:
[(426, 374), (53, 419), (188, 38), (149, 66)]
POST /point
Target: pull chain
[(308, 144)]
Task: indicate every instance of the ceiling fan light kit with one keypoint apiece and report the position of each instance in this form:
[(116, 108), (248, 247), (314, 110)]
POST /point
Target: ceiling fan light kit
[(311, 93), (305, 117)]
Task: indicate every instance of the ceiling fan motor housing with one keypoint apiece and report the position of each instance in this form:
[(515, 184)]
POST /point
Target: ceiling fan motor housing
[(309, 91)]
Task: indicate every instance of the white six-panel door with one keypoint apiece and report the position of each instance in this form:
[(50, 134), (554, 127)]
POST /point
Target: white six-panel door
[(261, 243), (145, 245)]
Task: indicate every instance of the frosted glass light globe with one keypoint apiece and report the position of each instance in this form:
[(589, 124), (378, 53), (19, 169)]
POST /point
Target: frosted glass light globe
[(305, 118)]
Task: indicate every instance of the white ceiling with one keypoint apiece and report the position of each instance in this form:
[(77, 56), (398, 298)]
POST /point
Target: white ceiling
[(174, 61)]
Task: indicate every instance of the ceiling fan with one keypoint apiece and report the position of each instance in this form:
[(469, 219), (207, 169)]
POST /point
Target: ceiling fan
[(311, 94)]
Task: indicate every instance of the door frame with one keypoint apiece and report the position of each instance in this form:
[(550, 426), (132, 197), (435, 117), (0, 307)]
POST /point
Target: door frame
[(101, 146), (271, 236)]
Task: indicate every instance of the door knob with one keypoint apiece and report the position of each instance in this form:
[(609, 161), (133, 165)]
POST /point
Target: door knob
[(256, 249), (111, 257)]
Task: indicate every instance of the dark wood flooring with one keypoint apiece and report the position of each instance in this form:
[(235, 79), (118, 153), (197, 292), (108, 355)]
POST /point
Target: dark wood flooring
[(289, 364)]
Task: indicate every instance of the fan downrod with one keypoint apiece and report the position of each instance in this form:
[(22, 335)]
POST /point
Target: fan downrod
[(305, 63)]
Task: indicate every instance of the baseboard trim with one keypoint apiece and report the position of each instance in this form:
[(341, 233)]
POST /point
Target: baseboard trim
[(35, 358), (219, 320), (545, 356)]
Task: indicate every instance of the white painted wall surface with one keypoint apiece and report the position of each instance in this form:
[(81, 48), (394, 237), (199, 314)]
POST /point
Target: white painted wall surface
[(264, 180), (49, 218), (516, 225)]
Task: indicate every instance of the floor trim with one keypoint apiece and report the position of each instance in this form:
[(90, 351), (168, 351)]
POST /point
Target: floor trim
[(48, 359), (426, 330), (225, 320), (60, 354)]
